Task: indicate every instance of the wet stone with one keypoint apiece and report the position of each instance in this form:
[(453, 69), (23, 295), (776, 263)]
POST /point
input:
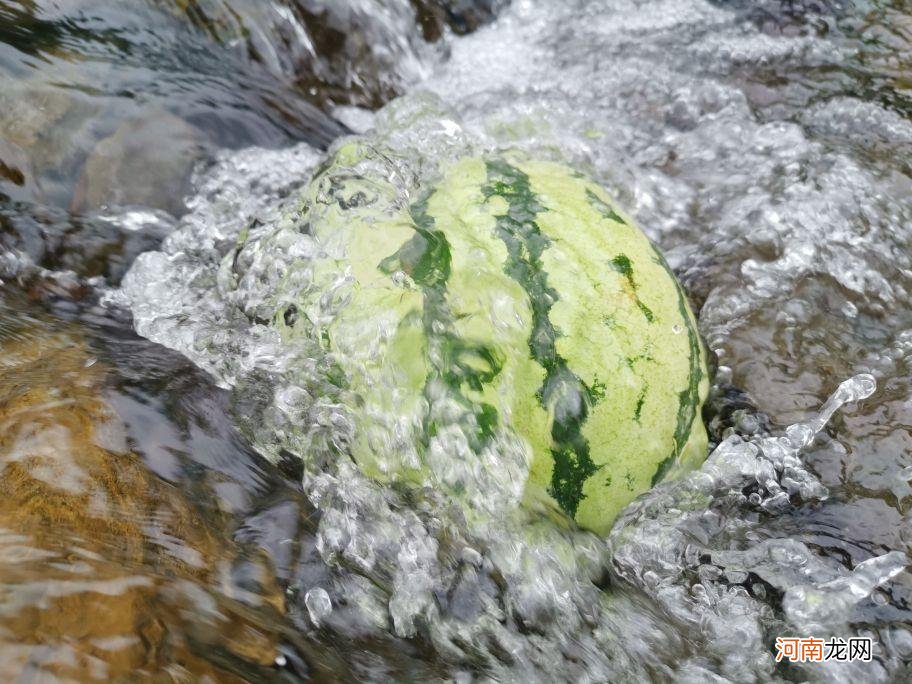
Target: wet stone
[(111, 570), (145, 162)]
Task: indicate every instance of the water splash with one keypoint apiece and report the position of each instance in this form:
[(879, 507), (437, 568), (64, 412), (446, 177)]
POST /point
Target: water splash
[(737, 142), (715, 570)]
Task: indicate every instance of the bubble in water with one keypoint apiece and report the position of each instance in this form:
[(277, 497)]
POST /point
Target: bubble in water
[(318, 605)]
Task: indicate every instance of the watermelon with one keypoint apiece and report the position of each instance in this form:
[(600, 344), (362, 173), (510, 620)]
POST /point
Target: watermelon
[(498, 330)]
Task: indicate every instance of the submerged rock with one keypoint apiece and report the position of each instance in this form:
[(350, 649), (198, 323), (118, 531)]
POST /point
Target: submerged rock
[(100, 558), (90, 80), (350, 52), (145, 162)]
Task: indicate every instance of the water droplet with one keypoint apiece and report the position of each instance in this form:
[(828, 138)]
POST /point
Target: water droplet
[(318, 604)]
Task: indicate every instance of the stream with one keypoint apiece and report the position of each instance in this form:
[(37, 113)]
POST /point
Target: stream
[(169, 510)]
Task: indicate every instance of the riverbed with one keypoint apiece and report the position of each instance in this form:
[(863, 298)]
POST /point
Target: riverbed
[(158, 519)]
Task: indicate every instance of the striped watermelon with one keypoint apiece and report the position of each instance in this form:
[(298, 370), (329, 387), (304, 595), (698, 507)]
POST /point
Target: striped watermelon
[(507, 331)]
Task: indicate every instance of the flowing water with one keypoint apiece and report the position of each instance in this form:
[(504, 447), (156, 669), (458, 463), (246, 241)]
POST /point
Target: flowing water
[(764, 146)]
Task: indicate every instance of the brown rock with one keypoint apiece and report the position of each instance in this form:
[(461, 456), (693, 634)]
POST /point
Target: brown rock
[(106, 571)]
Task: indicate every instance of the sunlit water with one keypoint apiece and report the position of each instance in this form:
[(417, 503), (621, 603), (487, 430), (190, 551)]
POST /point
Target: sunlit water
[(765, 148)]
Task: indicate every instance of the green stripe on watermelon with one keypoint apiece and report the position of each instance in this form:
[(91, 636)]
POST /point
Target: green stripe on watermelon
[(690, 434), (562, 394), (371, 326), (469, 332), (650, 363)]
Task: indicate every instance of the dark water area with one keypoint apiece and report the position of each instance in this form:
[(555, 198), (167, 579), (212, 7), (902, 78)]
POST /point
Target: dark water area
[(112, 103)]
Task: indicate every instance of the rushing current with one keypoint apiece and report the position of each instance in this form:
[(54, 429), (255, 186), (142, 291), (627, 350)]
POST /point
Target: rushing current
[(764, 147)]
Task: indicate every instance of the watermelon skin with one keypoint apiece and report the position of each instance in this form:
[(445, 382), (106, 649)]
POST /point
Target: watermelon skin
[(507, 336)]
